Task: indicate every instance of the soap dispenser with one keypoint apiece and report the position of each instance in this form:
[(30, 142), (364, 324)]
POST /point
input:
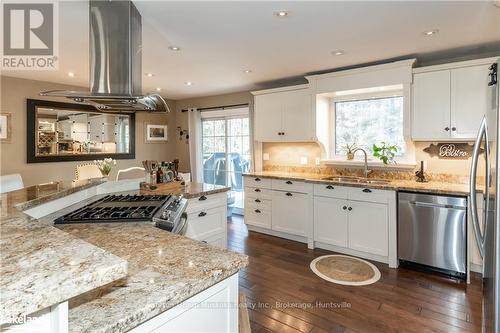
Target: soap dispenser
[(421, 173)]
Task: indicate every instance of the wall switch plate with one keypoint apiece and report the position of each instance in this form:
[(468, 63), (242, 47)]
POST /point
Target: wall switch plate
[(303, 160), (265, 156)]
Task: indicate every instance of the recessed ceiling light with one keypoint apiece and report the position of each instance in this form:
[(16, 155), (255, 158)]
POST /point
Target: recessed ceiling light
[(188, 83), (71, 74), (174, 48), (158, 89), (149, 74), (281, 13), (247, 71), (430, 32), (338, 52)]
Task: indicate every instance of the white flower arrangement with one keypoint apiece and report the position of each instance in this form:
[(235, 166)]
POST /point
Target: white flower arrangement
[(105, 165)]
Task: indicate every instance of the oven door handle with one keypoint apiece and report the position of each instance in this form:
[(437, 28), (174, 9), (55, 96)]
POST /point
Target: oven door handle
[(181, 227)]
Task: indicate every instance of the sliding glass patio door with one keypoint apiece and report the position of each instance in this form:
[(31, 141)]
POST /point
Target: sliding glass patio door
[(226, 151)]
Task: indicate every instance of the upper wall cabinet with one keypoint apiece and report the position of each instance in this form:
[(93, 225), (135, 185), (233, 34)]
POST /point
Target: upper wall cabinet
[(284, 114), (449, 103)]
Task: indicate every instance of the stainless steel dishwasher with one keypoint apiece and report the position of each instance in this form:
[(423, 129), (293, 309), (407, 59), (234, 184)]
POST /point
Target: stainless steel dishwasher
[(432, 232)]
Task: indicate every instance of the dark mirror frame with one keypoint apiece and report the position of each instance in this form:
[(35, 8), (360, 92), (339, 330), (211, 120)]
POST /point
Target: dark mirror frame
[(31, 106)]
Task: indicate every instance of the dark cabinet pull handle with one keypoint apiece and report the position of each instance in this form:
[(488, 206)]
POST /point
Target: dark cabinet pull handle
[(446, 128), (289, 182), (330, 187), (453, 128), (257, 210), (257, 190), (289, 194), (202, 214), (257, 200), (202, 198), (257, 179), (349, 209), (367, 190), (344, 208), (204, 242)]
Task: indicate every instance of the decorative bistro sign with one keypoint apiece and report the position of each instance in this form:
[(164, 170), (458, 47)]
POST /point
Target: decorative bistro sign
[(455, 150)]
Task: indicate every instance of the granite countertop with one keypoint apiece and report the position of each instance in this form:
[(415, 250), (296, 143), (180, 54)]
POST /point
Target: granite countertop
[(42, 266), (115, 275), (188, 191), (432, 187), (164, 270)]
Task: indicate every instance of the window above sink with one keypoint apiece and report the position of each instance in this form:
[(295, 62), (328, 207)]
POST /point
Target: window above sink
[(364, 117)]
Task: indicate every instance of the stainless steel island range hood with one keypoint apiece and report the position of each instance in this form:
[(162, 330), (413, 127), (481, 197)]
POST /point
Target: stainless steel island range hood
[(115, 61)]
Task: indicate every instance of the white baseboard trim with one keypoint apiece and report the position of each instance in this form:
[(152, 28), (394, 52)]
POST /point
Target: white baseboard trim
[(354, 253), (476, 268), (280, 234)]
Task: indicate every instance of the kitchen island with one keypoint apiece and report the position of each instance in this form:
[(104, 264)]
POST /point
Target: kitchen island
[(154, 273)]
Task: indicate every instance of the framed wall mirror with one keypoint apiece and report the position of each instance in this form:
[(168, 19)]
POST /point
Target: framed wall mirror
[(74, 132)]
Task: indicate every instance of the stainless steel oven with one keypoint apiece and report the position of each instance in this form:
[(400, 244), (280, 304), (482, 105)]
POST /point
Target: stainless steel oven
[(432, 232)]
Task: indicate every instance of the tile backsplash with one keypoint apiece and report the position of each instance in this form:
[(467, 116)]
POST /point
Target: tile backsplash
[(287, 157)]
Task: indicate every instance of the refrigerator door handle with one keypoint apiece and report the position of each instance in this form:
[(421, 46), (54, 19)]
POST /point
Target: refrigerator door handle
[(472, 184)]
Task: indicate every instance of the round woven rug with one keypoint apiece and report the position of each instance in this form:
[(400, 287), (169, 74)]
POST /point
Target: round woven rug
[(345, 270)]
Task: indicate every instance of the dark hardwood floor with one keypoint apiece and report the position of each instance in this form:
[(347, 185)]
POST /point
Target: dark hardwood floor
[(286, 296)]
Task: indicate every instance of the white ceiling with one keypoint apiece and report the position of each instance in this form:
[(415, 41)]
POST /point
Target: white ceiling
[(219, 40)]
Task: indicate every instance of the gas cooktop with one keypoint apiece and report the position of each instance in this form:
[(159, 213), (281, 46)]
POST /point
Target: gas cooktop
[(117, 208)]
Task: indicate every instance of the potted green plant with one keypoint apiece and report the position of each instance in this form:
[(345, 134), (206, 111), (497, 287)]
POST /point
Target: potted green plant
[(349, 149), (385, 152)]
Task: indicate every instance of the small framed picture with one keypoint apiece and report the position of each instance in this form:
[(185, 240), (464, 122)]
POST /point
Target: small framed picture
[(5, 127), (155, 133)]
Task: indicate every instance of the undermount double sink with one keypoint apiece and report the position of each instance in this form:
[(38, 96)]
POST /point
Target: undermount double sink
[(357, 180)]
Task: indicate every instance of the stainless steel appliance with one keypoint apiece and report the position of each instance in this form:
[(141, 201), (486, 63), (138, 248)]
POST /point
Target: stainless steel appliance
[(115, 61), (488, 237), (432, 232), (166, 211)]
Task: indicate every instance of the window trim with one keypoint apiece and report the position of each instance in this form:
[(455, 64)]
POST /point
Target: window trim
[(406, 161)]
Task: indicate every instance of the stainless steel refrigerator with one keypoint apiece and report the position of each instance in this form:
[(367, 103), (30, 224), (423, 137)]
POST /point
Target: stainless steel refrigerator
[(487, 228)]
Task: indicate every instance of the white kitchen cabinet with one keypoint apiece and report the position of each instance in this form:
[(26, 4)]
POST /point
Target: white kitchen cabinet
[(368, 227), (431, 105), (268, 117), (469, 100), (198, 313), (330, 221), (297, 124), (320, 215), (284, 114), (289, 212), (206, 219), (449, 101)]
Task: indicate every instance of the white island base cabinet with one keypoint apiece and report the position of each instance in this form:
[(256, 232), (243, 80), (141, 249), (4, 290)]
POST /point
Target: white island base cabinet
[(207, 220), (213, 310)]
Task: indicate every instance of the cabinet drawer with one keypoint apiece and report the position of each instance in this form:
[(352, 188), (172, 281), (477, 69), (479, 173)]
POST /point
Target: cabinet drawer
[(218, 240), (257, 182), (261, 204), (331, 191), (206, 223), (368, 194), (290, 185), (257, 193), (206, 202), (259, 219)]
